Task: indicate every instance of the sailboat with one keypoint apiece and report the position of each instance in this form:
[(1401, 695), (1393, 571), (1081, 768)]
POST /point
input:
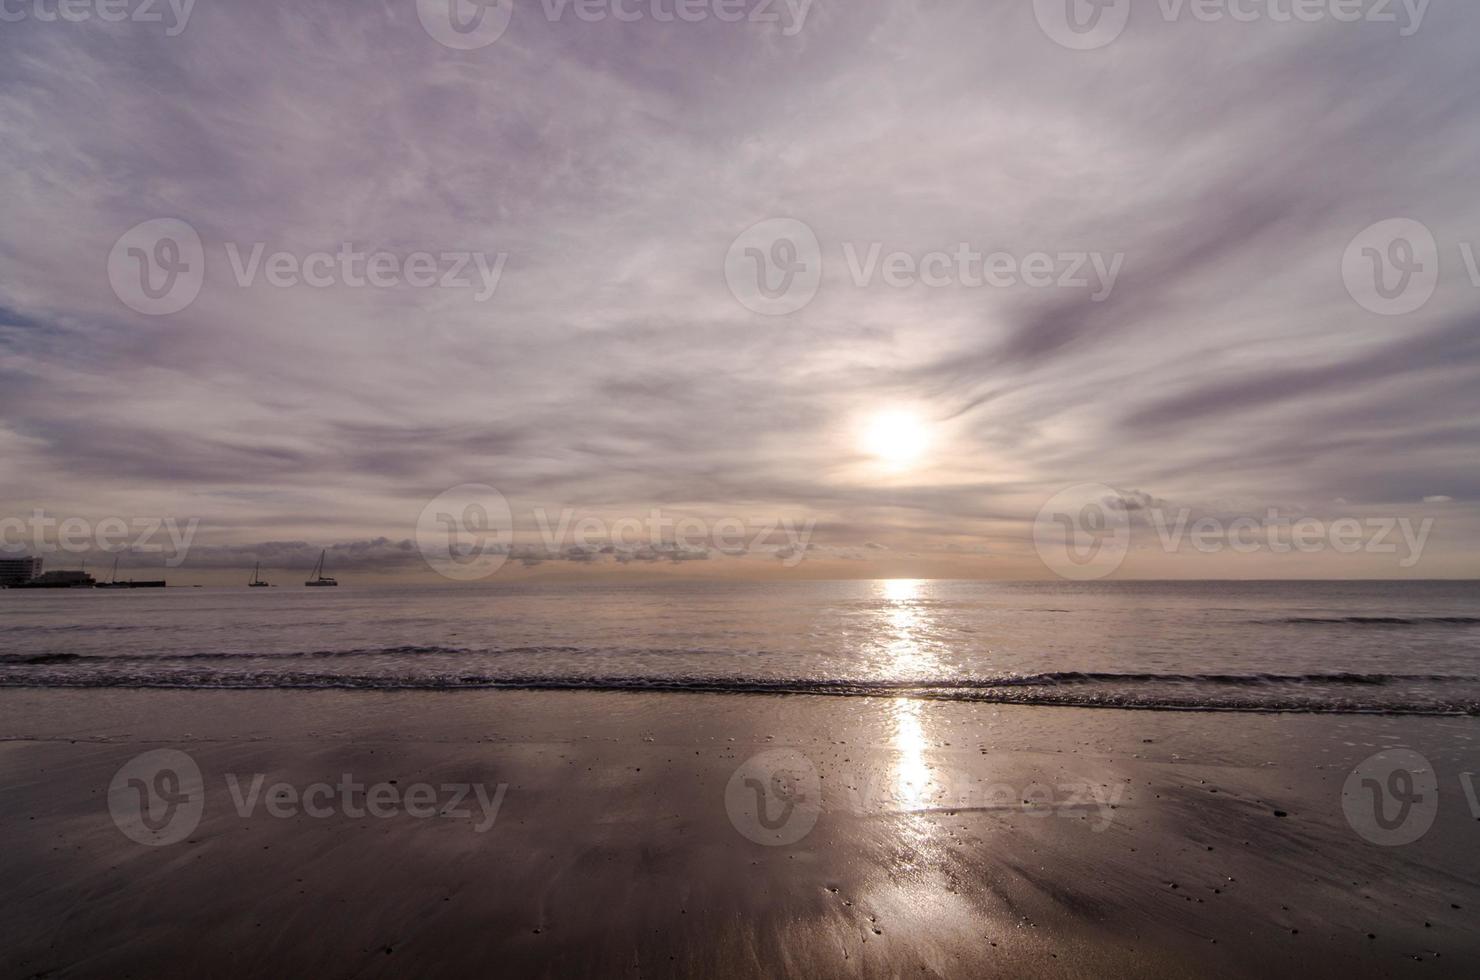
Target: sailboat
[(113, 582), (319, 579), (257, 582)]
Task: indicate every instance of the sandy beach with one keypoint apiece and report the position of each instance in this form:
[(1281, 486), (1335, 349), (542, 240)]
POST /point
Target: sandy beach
[(938, 839)]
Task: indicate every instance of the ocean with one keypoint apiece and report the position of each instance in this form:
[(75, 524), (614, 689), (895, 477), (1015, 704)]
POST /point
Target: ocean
[(1384, 647)]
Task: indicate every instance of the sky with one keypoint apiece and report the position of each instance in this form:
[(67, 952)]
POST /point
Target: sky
[(1181, 213)]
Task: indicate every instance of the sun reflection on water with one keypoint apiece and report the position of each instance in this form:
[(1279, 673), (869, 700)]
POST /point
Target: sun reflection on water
[(909, 657), (910, 648), (907, 626)]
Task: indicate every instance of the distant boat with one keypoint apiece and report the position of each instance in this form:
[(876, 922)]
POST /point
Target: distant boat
[(319, 579), (113, 582), (257, 582)]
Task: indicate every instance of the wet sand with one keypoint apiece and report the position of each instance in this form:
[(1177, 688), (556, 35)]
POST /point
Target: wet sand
[(938, 839)]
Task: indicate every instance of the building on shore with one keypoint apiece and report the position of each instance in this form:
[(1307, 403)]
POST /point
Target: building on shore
[(18, 571), (60, 579)]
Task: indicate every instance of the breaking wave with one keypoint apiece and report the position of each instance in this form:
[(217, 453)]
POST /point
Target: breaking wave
[(1335, 692)]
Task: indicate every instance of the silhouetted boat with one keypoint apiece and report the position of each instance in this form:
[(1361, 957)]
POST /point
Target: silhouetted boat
[(257, 582), (113, 582), (319, 578)]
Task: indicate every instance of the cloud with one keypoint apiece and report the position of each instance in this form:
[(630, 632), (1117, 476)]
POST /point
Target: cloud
[(613, 164), (1132, 500)]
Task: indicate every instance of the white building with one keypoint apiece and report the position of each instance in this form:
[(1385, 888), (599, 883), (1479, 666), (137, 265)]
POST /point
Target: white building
[(14, 571)]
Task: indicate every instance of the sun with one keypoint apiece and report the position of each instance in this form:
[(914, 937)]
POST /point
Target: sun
[(897, 437)]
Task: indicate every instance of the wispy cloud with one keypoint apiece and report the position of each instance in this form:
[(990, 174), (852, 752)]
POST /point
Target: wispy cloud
[(613, 164)]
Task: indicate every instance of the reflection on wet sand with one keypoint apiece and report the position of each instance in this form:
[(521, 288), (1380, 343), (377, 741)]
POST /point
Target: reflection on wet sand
[(913, 788), (906, 622)]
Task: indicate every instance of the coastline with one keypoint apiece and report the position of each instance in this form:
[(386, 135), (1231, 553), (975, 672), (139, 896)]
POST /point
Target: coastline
[(950, 839)]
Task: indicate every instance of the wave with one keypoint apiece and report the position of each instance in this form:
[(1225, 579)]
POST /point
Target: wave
[(350, 653), (1046, 678), (1320, 693), (1377, 621)]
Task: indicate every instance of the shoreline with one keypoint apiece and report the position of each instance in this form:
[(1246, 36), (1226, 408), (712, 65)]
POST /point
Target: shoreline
[(976, 839), (781, 689)]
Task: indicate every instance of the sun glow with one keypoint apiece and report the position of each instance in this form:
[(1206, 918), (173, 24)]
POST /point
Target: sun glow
[(896, 437)]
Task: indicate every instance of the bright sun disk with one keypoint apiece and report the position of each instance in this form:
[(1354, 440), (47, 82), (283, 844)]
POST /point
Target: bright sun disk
[(895, 436)]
